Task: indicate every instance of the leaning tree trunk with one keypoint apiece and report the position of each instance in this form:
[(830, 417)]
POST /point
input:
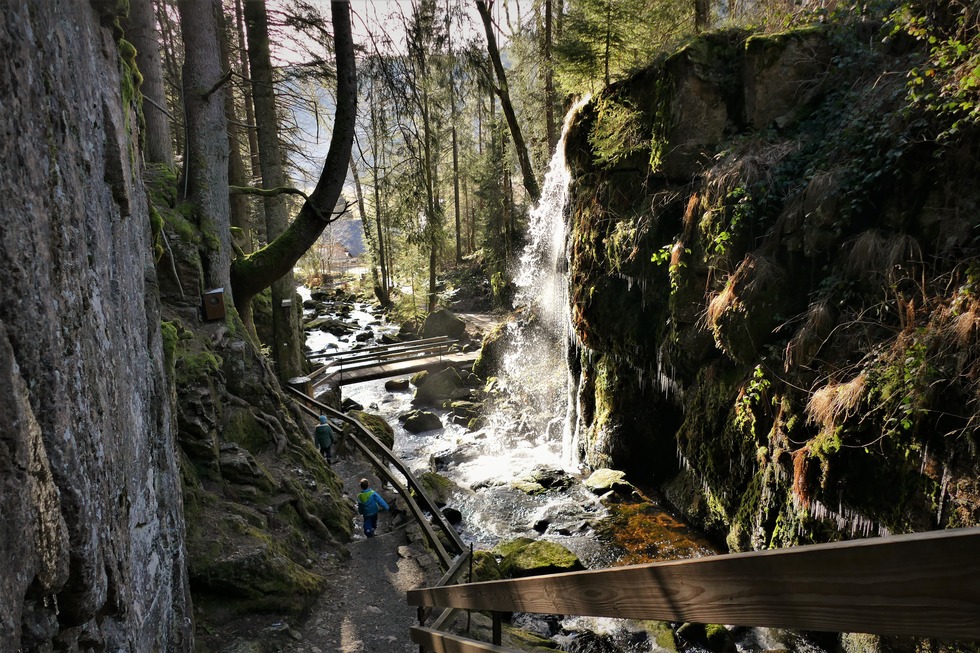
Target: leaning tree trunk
[(206, 162), (287, 332), (252, 274), (530, 182), (141, 31)]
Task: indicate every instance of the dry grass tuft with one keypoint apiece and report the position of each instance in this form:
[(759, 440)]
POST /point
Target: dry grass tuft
[(875, 253), (805, 345), (964, 325), (801, 470), (692, 214), (755, 274), (720, 304), (835, 402)]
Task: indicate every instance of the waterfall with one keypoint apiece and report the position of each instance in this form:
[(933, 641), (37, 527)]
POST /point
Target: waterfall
[(534, 365)]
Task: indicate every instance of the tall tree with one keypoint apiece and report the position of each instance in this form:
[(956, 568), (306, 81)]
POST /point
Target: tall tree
[(237, 175), (141, 30), (530, 181), (206, 160), (549, 76), (602, 40), (253, 273), (287, 334)]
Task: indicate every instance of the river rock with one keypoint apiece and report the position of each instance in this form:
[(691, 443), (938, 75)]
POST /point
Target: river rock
[(418, 421), (712, 637), (485, 566), (438, 387), (526, 557), (606, 480), (378, 426), (550, 478), (443, 323), (439, 488), (453, 516), (348, 405), (396, 385)]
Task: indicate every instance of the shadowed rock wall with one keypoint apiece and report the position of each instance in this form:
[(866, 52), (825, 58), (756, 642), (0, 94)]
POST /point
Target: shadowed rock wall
[(773, 260), (92, 526)]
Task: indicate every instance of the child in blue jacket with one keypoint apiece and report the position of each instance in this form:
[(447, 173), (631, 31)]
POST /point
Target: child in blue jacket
[(369, 503)]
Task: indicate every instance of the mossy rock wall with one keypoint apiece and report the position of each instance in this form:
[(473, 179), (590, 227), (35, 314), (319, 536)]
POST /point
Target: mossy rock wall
[(779, 324), (263, 509)]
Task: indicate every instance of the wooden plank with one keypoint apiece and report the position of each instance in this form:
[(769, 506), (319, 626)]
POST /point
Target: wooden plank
[(923, 585), (381, 348), (397, 368), (438, 642), (451, 575)]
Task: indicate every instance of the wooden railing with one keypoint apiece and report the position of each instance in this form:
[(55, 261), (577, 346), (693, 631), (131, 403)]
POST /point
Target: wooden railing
[(416, 499), (922, 585), (383, 360)]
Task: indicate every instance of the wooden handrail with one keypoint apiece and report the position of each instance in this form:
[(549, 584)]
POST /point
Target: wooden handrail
[(382, 348), (452, 536), (921, 585), (397, 354)]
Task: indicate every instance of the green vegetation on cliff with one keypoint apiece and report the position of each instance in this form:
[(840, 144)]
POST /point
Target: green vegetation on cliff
[(794, 236)]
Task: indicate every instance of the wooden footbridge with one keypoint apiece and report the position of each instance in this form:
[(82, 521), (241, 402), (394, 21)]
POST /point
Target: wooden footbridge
[(383, 361)]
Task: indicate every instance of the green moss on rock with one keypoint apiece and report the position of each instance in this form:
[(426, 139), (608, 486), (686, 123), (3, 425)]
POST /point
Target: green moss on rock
[(528, 557)]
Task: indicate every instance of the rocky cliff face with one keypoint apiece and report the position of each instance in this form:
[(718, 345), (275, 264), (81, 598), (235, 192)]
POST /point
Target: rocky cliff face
[(91, 528), (795, 241)]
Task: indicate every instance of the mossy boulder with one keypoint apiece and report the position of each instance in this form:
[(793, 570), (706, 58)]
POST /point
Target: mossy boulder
[(485, 567), (233, 557), (377, 426), (439, 387), (607, 480), (443, 323), (528, 557), (420, 421), (439, 488), (712, 637), (487, 362)]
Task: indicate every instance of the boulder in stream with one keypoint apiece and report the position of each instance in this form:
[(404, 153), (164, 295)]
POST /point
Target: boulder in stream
[(608, 480), (437, 387), (396, 385), (527, 557), (418, 421)]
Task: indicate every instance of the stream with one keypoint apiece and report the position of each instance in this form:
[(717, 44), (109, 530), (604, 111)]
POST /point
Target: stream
[(532, 425)]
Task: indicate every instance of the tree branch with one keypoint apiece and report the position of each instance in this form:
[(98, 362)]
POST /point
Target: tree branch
[(221, 82)]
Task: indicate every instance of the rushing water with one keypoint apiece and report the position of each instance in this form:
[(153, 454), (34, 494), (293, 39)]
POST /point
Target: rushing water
[(532, 424)]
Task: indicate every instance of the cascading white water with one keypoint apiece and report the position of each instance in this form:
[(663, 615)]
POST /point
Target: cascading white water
[(534, 364)]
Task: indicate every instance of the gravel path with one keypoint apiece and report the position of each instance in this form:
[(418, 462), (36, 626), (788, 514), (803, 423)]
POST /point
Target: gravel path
[(365, 610)]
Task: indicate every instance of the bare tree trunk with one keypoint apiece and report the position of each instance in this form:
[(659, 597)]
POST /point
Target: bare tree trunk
[(253, 139), (253, 273), (549, 79), (171, 71), (375, 240), (530, 182), (287, 344), (382, 236), (459, 248), (236, 166), (141, 31), (607, 53), (702, 15), (206, 162)]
